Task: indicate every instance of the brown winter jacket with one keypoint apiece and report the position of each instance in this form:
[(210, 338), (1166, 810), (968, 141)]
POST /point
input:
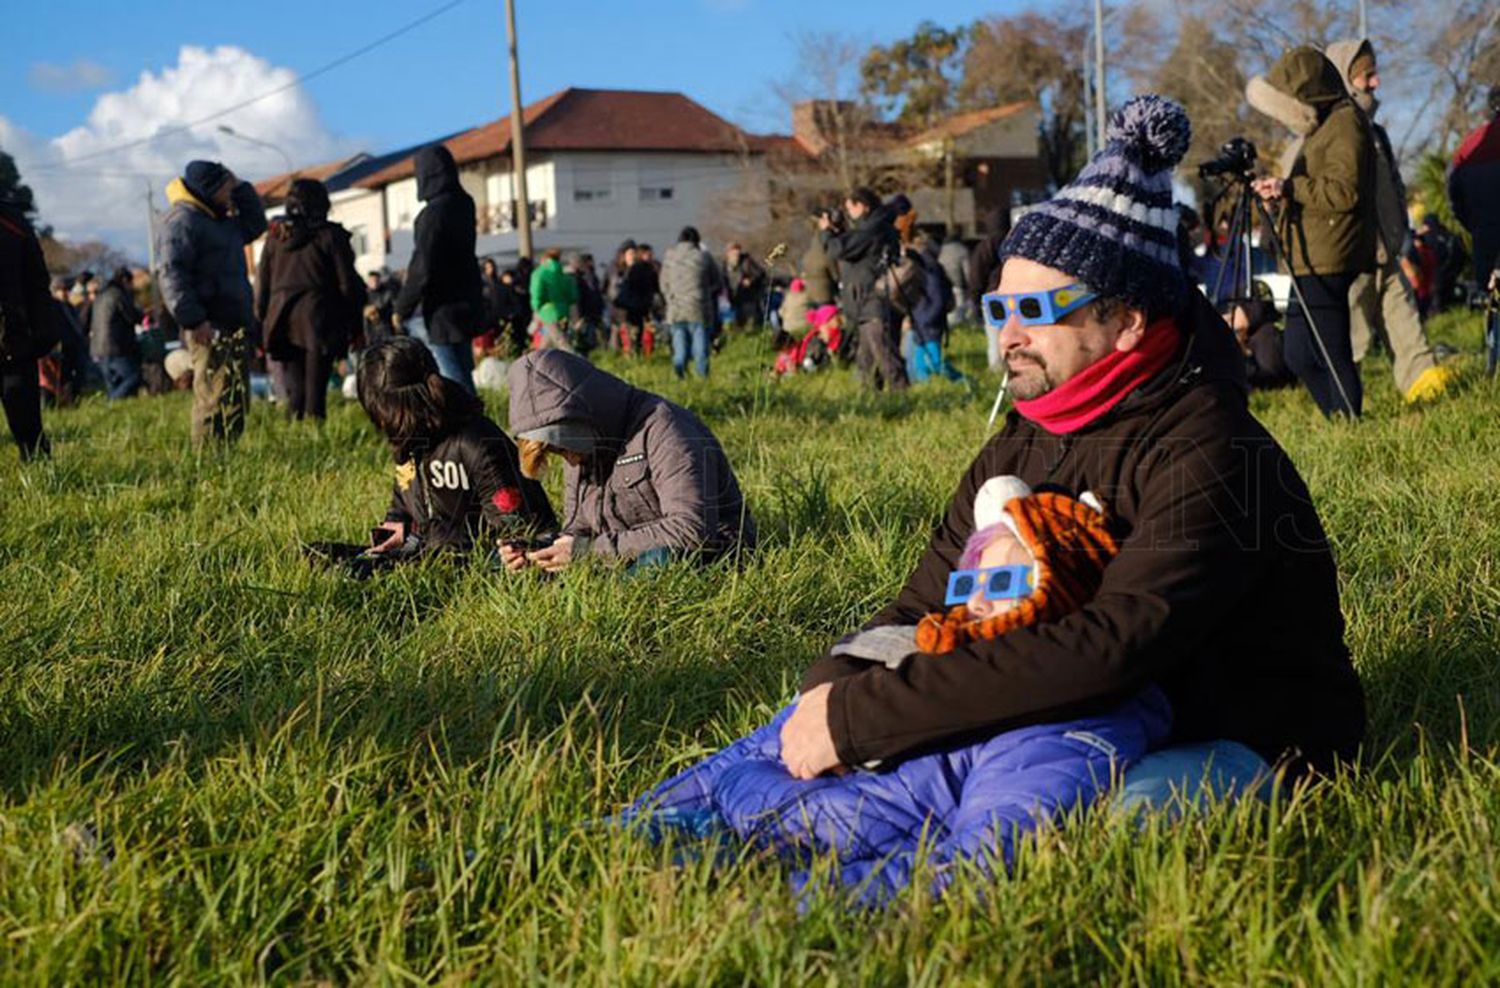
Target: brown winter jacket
[(657, 477), (820, 272), (307, 293), (1224, 592), (1326, 217)]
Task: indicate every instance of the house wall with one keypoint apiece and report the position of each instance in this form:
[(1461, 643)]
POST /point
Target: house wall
[(592, 200), (362, 213)]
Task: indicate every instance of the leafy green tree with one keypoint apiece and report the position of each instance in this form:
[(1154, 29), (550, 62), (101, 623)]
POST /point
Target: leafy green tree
[(12, 189), (916, 79)]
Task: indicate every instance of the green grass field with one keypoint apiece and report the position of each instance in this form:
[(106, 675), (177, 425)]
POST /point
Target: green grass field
[(218, 765)]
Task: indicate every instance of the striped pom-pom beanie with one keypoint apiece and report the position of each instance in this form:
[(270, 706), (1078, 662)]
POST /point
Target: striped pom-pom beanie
[(1114, 227)]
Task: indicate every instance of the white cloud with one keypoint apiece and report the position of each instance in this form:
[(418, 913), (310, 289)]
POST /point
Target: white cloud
[(104, 196), (82, 75)]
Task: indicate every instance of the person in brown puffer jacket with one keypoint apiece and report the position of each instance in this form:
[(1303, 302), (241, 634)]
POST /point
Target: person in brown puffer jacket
[(308, 297), (1325, 227)]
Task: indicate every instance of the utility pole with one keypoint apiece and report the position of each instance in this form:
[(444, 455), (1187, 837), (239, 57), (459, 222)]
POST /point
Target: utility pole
[(1100, 112), (517, 139), (1088, 101), (1364, 28), (150, 229), (948, 193)]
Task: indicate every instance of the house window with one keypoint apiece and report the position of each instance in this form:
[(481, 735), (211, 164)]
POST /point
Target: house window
[(593, 194), (656, 193)]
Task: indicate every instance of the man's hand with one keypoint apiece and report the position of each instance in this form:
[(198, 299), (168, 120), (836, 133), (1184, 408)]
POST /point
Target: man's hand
[(806, 742), (397, 537), (555, 557), (824, 223), (511, 558), (1269, 188), (396, 321), (202, 334)]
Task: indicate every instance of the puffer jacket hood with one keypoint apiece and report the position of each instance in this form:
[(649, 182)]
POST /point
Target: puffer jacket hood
[(549, 388), (178, 192), (436, 172), (1308, 76)]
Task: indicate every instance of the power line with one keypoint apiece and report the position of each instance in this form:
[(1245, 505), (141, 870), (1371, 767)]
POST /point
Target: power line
[(296, 81)]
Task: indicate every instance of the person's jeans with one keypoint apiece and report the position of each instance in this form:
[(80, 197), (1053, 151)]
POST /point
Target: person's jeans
[(927, 361), (455, 362), (22, 400), (689, 336), (1323, 373), (1190, 775), (122, 377)]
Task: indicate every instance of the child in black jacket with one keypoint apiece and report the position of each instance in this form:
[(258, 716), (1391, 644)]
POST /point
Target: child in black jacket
[(458, 476)]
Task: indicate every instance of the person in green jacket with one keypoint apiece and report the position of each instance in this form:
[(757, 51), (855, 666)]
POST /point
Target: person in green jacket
[(1326, 224), (554, 297)]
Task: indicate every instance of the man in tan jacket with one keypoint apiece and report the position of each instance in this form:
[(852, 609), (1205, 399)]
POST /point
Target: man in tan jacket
[(1382, 298)]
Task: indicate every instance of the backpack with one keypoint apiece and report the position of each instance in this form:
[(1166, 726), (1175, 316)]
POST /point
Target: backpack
[(901, 282)]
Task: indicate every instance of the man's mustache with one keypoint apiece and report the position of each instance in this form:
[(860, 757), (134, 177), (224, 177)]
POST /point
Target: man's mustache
[(1030, 355)]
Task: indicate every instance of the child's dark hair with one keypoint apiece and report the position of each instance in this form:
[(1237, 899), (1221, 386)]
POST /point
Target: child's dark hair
[(407, 399)]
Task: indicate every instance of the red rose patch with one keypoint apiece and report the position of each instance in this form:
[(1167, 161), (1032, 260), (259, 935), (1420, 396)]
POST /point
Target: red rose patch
[(507, 499)]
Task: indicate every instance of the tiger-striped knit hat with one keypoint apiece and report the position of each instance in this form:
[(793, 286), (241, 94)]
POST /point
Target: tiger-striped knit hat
[(1070, 542)]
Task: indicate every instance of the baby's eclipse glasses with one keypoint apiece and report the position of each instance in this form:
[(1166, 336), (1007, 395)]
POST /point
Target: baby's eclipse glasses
[(998, 583), (1044, 308)]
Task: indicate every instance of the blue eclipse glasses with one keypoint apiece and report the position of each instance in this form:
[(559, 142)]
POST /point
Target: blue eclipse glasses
[(998, 583), (1035, 308)]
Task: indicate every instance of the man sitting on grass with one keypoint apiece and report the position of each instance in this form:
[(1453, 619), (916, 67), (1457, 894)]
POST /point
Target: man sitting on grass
[(1224, 592)]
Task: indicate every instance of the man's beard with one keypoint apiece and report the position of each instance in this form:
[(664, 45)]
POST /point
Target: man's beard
[(1031, 380)]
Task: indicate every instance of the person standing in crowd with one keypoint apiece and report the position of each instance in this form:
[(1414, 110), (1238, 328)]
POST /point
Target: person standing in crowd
[(308, 297), (1253, 322), (380, 292), (863, 253), (491, 290), (591, 308), (688, 282), (112, 340), (954, 258), (636, 296), (745, 279), (1381, 298), (28, 329), (201, 252), (1325, 224), (929, 317), (1474, 190), (554, 298), (443, 276), (984, 273), (80, 373), (820, 275), (614, 283), (646, 481)]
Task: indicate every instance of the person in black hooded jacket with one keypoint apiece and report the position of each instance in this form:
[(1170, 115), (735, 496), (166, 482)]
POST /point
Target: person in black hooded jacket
[(457, 473), (443, 275), (28, 329), (308, 297), (984, 272)]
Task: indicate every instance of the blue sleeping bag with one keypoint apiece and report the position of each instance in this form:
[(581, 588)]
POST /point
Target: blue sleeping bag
[(972, 802)]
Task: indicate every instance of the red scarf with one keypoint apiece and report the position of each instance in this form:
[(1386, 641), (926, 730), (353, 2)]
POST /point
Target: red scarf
[(1103, 384)]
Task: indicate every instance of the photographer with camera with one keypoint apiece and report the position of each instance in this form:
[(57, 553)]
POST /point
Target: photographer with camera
[(863, 253), (1325, 225), (1382, 298)]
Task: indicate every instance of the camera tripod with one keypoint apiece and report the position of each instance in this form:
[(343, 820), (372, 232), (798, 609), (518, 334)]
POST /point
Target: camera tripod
[(1236, 262)]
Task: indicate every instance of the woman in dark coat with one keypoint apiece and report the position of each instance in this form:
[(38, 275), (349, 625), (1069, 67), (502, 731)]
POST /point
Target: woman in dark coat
[(308, 297)]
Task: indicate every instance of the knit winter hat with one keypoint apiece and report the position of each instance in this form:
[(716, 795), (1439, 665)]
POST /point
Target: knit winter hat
[(1114, 227), (203, 178), (822, 314), (1070, 541)]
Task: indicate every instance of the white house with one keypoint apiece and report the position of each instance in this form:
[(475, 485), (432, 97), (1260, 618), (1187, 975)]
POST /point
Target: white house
[(602, 165)]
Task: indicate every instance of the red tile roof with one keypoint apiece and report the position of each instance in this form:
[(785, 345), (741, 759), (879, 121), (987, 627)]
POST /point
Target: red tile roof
[(594, 120), (963, 123), (274, 189)]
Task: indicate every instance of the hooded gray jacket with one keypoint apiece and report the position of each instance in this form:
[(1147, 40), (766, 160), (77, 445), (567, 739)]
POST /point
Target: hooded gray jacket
[(658, 477)]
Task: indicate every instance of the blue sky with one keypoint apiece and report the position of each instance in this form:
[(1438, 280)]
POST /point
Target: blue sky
[(448, 73)]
